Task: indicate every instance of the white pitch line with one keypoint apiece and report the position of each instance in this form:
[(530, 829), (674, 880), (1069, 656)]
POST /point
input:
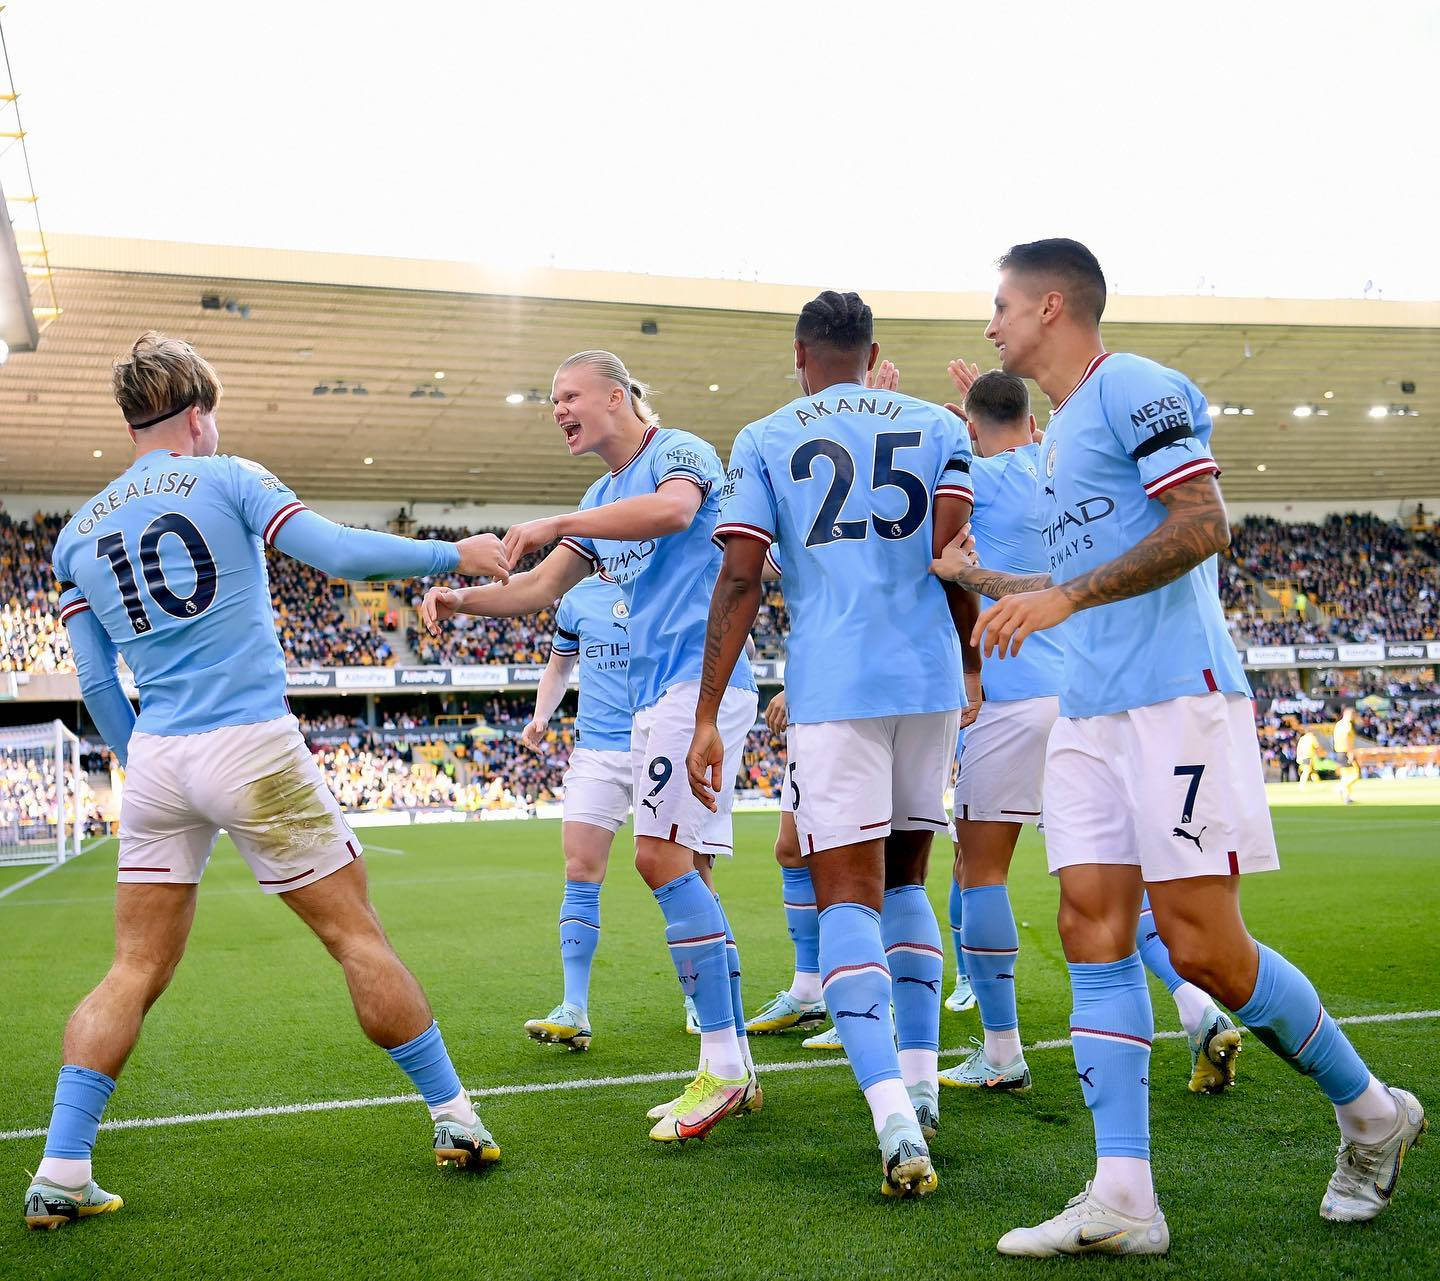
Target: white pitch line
[(588, 1083), (380, 849), (45, 871)]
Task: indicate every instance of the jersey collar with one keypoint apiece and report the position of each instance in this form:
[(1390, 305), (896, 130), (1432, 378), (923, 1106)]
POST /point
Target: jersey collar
[(1084, 378), (640, 449)]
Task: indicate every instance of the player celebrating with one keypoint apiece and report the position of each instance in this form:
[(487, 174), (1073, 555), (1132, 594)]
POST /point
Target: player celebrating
[(648, 523), (1342, 738), (166, 566), (1001, 780), (592, 621), (857, 487), (1153, 775)]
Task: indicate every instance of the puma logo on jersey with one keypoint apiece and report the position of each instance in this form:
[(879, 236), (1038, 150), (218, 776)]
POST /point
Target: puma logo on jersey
[(1181, 832), (652, 806), (852, 1014)]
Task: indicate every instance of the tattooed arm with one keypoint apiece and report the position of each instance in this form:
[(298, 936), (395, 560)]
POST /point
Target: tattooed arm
[(1194, 529), (733, 606)]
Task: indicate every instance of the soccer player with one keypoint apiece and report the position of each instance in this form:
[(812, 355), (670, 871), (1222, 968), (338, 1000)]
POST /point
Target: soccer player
[(1001, 781), (648, 523), (1307, 752), (1153, 777), (167, 567), (857, 486), (1343, 740), (591, 630)]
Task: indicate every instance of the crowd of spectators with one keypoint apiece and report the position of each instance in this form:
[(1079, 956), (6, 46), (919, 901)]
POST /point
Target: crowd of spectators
[(311, 621), (1366, 575), (27, 799), (31, 638)]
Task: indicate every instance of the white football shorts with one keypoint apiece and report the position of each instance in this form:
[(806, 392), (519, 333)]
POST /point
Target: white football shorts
[(597, 788), (259, 782), (660, 738), (1002, 765), (860, 780), (1176, 789)]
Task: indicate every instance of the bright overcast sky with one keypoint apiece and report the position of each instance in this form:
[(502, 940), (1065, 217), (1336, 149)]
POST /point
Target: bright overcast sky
[(1283, 149)]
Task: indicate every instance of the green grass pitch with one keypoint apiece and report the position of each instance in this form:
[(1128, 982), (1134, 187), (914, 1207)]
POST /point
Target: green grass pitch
[(258, 1017)]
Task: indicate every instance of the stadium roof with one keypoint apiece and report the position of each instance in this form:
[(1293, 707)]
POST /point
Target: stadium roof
[(286, 322)]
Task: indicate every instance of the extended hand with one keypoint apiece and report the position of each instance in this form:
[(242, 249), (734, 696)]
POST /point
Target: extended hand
[(440, 605), (484, 556), (777, 714), (533, 735), (529, 537), (956, 557), (884, 377), (1002, 629), (705, 764)]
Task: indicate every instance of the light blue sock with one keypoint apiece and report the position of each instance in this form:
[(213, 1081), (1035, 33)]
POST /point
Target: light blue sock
[(427, 1063), (801, 918), (957, 917), (992, 945), (857, 990), (1285, 1013), (81, 1094), (1153, 950), (695, 933), (1111, 1027), (579, 937), (732, 965), (911, 936)]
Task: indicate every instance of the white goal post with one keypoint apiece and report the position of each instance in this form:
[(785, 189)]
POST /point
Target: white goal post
[(43, 794)]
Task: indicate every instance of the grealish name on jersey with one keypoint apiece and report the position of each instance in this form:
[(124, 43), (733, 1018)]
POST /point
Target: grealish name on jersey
[(179, 483)]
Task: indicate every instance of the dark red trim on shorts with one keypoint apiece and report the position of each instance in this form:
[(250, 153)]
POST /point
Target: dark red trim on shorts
[(1234, 864), (1209, 680), (144, 869), (1027, 813), (299, 876), (938, 822), (867, 827), (674, 831), (354, 853), (811, 839), (719, 845)]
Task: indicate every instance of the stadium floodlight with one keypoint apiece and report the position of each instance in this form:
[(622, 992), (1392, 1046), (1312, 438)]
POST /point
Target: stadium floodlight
[(1259, 466), (1378, 411), (1329, 395), (1231, 410), (1303, 411), (1213, 410), (439, 374), (714, 386), (97, 453), (1247, 411), (369, 461), (515, 398)]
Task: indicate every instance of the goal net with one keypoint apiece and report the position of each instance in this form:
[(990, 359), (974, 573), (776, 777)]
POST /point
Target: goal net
[(44, 796)]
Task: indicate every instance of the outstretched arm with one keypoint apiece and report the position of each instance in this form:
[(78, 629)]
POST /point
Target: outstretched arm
[(344, 552), (668, 510), (521, 594), (733, 606), (1194, 529)]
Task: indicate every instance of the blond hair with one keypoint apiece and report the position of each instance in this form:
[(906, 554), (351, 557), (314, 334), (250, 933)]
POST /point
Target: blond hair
[(161, 376), (608, 365)]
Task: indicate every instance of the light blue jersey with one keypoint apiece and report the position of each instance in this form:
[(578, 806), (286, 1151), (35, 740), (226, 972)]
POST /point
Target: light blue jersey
[(1129, 431), (845, 482), (593, 622), (1006, 525), (667, 581), (170, 560)]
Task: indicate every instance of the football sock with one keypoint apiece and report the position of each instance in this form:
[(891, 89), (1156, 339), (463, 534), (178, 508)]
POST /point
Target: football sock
[(803, 922), (459, 1107), (81, 1094), (579, 937), (427, 1063), (695, 933), (1111, 1027), (1124, 1183), (886, 1098), (919, 1067), (991, 946), (1369, 1118), (1285, 1013), (857, 990), (1190, 1002), (957, 901), (732, 967), (916, 960)]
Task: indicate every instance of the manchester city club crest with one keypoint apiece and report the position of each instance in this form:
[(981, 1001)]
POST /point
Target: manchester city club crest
[(620, 609), (1050, 459)]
